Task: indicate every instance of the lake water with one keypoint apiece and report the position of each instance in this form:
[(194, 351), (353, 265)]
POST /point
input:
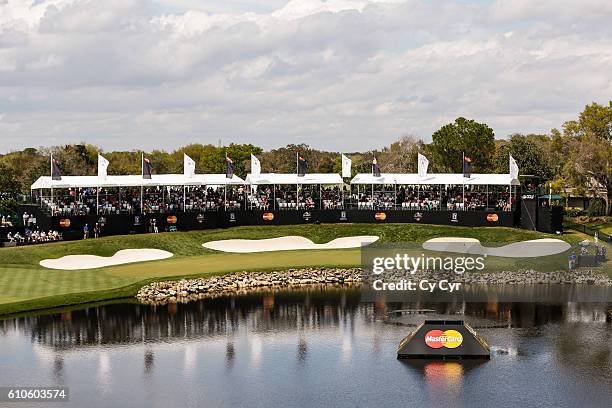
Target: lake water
[(304, 348)]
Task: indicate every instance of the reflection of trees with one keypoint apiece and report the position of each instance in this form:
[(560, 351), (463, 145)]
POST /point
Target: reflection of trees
[(128, 323)]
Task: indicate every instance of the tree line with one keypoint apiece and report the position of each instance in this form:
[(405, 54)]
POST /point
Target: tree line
[(577, 155)]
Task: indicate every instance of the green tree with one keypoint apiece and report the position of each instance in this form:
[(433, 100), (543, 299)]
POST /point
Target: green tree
[(529, 156), (476, 140), (590, 149)]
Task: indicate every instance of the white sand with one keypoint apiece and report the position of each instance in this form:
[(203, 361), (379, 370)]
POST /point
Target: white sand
[(288, 243), (125, 256), (524, 249)]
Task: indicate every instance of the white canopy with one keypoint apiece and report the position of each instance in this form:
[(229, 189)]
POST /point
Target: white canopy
[(279, 179), (435, 178), (136, 181)]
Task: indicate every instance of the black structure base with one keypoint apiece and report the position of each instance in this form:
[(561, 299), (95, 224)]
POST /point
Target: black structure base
[(72, 226), (438, 339)]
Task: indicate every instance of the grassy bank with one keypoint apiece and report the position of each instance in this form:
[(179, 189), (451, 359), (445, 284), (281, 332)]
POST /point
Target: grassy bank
[(24, 285)]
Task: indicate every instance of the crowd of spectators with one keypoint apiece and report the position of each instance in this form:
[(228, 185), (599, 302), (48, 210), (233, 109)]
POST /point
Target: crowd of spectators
[(33, 236), (199, 199)]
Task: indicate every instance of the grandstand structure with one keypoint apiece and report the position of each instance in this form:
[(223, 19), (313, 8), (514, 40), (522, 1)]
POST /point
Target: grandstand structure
[(132, 203)]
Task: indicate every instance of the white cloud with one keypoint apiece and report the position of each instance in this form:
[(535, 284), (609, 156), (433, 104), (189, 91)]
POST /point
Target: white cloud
[(337, 74)]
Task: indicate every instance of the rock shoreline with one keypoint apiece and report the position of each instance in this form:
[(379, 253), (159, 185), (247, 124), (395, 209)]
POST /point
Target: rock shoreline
[(187, 290)]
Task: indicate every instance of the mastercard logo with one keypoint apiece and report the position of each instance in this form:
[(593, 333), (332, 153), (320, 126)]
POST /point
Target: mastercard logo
[(268, 216), (171, 219), (380, 216), (492, 217), (449, 338), (64, 222)]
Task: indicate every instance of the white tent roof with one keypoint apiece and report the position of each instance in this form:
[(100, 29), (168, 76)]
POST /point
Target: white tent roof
[(136, 181), (434, 178), (277, 178)]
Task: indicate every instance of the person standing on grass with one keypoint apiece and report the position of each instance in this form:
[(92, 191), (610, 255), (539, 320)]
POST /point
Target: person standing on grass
[(96, 230), (86, 231), (25, 217)]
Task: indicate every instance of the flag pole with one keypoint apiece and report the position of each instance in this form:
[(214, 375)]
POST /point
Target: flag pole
[(98, 191), (141, 181), (51, 168), (463, 181)]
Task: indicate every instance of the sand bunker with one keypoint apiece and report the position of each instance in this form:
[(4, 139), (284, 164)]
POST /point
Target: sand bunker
[(286, 244), (524, 249), (125, 256)]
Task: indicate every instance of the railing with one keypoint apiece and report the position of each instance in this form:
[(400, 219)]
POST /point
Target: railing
[(586, 230)]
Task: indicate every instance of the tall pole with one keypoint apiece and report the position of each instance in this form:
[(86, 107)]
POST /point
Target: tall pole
[(184, 200), (297, 180), (225, 195), (141, 181), (51, 168), (394, 193), (463, 180)]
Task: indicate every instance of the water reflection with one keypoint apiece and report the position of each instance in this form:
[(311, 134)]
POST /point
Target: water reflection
[(306, 347)]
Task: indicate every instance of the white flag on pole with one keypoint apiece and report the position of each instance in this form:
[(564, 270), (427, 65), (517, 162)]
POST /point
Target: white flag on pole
[(346, 166), (423, 164), (255, 166), (102, 167), (188, 166), (514, 169)]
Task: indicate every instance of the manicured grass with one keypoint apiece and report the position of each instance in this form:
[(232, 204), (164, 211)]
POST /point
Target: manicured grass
[(25, 286), (601, 224)]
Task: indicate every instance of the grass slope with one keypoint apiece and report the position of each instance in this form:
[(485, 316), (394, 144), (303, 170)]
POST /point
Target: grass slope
[(24, 285)]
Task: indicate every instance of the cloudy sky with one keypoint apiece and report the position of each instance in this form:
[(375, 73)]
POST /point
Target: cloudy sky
[(337, 74)]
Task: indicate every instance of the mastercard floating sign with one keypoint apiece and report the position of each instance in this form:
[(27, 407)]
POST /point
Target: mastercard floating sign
[(268, 216), (171, 219), (380, 216), (64, 222), (492, 217), (438, 339)]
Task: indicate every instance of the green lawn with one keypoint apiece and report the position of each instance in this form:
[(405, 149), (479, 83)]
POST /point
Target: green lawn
[(601, 224), (24, 285)]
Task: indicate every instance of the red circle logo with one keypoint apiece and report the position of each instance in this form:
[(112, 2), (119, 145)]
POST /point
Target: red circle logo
[(492, 217), (171, 219), (64, 222), (268, 216), (380, 216), (433, 339)]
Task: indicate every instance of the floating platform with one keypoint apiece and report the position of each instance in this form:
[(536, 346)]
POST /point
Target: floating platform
[(444, 340)]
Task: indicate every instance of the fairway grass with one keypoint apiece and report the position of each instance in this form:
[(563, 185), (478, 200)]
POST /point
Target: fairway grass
[(24, 285)]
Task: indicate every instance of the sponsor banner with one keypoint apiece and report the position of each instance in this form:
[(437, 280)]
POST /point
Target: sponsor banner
[(448, 339), (232, 217), (64, 222), (171, 219), (268, 216), (200, 218), (454, 217), (492, 217), (380, 216), (343, 216), (137, 220), (306, 216), (418, 216)]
